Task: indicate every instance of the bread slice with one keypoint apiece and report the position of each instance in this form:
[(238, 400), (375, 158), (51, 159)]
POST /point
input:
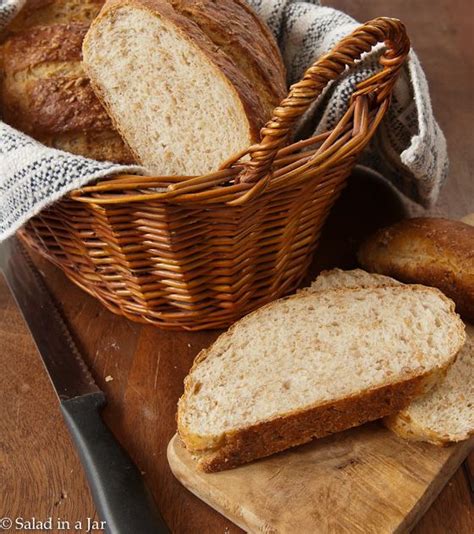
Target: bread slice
[(356, 278), (446, 412), (310, 365), (188, 83)]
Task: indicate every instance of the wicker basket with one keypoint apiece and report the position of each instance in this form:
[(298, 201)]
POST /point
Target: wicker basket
[(199, 252)]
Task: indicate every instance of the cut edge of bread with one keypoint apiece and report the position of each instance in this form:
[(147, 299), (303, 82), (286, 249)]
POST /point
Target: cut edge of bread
[(233, 448), (246, 104), (407, 428), (291, 430)]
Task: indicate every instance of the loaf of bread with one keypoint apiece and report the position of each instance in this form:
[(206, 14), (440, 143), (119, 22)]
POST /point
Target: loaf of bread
[(446, 412), (188, 83), (44, 90), (430, 251), (313, 364)]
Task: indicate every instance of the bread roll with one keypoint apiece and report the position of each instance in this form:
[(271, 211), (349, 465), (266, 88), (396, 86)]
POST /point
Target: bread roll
[(430, 251), (44, 90), (187, 82)]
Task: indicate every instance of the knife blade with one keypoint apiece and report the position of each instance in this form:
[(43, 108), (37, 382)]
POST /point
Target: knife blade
[(122, 499)]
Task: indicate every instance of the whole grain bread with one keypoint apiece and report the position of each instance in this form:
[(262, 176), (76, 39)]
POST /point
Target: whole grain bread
[(430, 251), (355, 278), (44, 90), (446, 412), (188, 83), (294, 370)]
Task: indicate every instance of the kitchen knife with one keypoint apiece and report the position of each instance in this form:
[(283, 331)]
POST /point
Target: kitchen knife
[(120, 495)]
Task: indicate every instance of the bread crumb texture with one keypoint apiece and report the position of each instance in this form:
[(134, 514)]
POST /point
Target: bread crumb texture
[(185, 95), (312, 349), (446, 412)]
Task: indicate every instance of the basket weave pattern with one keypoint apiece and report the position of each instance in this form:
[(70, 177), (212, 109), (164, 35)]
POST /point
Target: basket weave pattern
[(199, 252)]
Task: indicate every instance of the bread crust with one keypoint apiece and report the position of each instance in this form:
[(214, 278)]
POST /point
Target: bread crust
[(216, 453), (269, 437), (46, 93), (50, 103), (45, 12), (236, 30), (44, 44), (405, 427), (431, 251), (256, 104)]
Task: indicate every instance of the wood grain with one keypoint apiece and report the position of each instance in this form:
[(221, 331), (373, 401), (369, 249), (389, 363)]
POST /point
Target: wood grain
[(147, 366), (364, 480), (39, 471)]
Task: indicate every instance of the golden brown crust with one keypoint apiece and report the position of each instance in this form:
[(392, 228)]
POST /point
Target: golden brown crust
[(236, 30), (52, 101), (44, 90), (282, 433), (430, 251), (103, 145), (60, 105), (43, 44), (203, 33), (47, 12)]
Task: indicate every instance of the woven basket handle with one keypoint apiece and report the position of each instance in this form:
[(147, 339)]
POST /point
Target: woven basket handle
[(275, 133)]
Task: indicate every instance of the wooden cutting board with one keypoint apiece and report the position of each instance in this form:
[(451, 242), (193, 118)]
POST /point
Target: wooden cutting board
[(365, 480)]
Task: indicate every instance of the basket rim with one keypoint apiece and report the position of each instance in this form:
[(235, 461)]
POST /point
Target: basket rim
[(291, 167), (275, 162)]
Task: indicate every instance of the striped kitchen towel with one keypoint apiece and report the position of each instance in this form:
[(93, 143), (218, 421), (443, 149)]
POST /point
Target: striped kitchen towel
[(409, 148)]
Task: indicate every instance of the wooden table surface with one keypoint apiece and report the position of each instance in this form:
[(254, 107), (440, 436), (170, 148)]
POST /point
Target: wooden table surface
[(142, 368)]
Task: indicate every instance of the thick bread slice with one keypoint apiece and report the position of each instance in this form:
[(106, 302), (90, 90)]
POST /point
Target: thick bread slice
[(446, 412), (431, 251), (294, 370), (188, 83)]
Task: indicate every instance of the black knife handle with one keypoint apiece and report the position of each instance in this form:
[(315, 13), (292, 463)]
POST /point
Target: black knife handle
[(120, 495)]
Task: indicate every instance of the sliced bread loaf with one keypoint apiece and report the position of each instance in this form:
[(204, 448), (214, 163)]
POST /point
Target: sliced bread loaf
[(310, 365), (446, 412), (188, 83)]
